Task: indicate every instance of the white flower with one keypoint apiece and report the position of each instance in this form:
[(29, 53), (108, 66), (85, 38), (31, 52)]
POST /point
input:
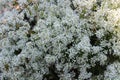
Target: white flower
[(113, 71), (84, 45), (96, 49), (100, 33), (50, 59)]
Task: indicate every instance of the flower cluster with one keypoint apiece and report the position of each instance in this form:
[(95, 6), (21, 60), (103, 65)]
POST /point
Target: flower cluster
[(60, 40)]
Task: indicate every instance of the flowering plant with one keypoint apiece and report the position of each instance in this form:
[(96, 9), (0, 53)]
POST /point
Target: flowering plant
[(60, 40)]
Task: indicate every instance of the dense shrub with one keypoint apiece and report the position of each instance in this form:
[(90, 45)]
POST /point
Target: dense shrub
[(60, 39)]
